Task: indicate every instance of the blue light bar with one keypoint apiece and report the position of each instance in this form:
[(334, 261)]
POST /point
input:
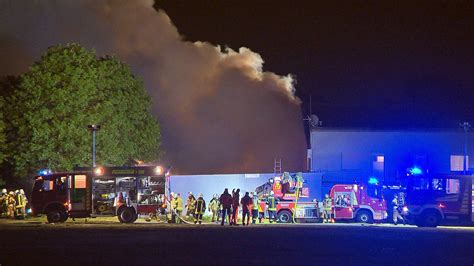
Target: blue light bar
[(45, 172), (373, 181), (416, 171)]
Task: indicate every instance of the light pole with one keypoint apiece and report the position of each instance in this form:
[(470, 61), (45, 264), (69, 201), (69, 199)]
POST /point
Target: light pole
[(93, 129), (466, 126)]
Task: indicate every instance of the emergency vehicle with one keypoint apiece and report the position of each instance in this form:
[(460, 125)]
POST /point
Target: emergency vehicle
[(125, 192), (434, 199), (363, 203), (292, 196)]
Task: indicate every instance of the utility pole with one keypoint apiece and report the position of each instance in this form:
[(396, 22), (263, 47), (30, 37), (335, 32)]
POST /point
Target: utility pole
[(93, 129), (466, 126)]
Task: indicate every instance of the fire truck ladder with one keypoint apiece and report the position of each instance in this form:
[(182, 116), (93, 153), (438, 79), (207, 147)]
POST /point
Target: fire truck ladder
[(277, 166)]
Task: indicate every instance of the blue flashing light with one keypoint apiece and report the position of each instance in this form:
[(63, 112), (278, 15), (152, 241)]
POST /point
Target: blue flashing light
[(373, 181), (45, 172), (416, 171)]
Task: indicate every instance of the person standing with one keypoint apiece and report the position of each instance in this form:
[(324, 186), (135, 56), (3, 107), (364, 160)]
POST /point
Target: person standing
[(235, 206), (190, 204), (214, 208), (397, 210), (20, 206), (3, 203), (200, 208), (11, 205), (246, 201), (178, 208), (226, 202), (271, 203), (327, 209), (255, 207)]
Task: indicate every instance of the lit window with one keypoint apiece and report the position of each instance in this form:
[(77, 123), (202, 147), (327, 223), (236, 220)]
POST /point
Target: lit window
[(452, 186), (457, 163), (80, 181), (48, 185), (380, 158)]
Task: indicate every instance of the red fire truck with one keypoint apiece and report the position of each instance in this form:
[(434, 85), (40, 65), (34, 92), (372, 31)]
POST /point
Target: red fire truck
[(433, 199), (363, 203), (293, 196), (126, 192)]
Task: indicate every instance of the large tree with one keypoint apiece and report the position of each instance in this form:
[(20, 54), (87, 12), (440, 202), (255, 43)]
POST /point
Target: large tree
[(64, 92)]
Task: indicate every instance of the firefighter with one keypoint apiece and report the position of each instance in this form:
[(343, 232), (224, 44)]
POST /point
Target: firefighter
[(235, 207), (246, 201), (3, 203), (200, 209), (11, 205), (397, 210), (255, 207), (226, 202), (272, 203), (214, 208), (178, 207), (20, 204), (190, 204), (327, 209)]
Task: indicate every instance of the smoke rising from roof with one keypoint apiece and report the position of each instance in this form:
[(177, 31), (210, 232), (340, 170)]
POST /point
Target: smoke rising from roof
[(219, 111)]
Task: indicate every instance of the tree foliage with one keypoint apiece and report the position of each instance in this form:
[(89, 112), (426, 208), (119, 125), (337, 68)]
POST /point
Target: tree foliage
[(69, 89)]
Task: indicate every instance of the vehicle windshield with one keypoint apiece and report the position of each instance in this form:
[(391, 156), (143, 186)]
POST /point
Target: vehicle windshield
[(375, 191)]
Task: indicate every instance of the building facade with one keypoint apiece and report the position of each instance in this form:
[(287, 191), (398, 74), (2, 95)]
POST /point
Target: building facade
[(351, 155)]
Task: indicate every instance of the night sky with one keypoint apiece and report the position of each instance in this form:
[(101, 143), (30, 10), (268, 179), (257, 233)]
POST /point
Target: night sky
[(364, 63)]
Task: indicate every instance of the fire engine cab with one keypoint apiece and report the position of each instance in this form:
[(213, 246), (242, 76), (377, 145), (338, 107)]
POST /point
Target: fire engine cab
[(433, 199), (363, 203), (125, 192)]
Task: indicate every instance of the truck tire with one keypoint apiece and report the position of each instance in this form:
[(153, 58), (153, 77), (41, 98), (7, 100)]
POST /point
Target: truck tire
[(127, 215), (56, 216), (285, 216), (364, 216), (429, 218)]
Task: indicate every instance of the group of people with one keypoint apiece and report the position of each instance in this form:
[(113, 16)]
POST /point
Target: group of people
[(13, 204), (225, 207), (194, 207), (250, 204)]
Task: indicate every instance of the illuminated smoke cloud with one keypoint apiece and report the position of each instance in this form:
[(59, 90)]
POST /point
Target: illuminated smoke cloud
[(219, 111)]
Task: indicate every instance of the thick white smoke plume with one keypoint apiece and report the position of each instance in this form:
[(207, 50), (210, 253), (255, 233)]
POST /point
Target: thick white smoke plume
[(219, 111)]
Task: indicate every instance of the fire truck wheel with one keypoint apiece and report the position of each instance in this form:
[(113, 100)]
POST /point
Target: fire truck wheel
[(430, 218), (127, 215), (64, 217), (56, 216), (364, 216), (284, 216)]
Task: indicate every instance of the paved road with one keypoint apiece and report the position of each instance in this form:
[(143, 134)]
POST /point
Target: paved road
[(163, 244)]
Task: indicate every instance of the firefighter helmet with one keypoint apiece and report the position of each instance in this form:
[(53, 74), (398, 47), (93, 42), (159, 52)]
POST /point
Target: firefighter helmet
[(4, 191), (22, 192)]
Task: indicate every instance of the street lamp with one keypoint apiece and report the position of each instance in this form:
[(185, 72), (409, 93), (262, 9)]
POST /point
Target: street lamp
[(466, 126), (93, 129)]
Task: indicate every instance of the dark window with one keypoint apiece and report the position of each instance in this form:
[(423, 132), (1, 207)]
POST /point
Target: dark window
[(420, 184)]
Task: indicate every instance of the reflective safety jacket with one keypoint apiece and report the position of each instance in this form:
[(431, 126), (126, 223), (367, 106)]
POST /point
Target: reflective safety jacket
[(255, 203), (214, 204), (272, 202), (327, 204), (178, 204), (200, 206), (20, 201)]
